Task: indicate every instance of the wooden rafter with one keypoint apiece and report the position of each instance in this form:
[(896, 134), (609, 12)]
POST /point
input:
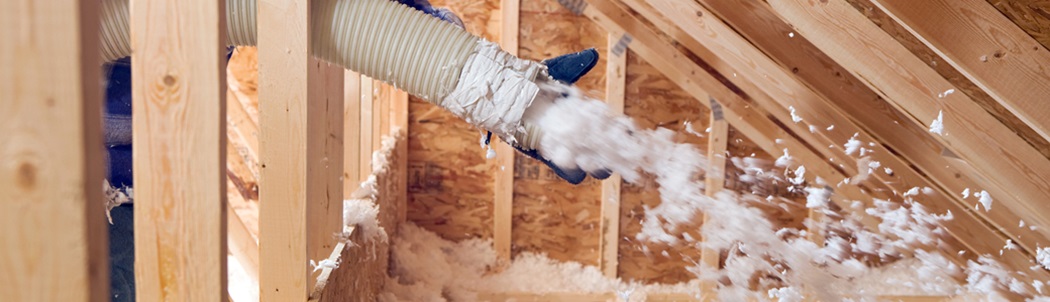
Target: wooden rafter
[(1011, 167), (987, 48), (755, 20), (754, 67), (750, 120)]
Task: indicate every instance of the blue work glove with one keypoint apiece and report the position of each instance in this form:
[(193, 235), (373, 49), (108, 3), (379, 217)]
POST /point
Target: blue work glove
[(439, 12), (568, 69)]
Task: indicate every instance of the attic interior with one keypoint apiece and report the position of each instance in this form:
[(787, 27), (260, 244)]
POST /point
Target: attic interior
[(815, 150)]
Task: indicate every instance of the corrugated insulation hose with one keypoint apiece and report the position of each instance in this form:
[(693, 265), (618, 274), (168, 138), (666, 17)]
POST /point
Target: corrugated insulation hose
[(388, 41)]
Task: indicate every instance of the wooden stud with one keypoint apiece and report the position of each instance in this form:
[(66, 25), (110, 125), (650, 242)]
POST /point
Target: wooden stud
[(714, 182), (1013, 168), (615, 84), (179, 121), (504, 188), (301, 126), (51, 162), (987, 48), (399, 120), (367, 129), (378, 116), (351, 133)]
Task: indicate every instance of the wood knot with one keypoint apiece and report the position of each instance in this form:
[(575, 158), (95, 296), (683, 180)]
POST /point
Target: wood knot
[(699, 13), (26, 176), (169, 80)]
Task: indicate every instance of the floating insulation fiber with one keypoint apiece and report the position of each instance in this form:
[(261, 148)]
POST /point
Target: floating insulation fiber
[(577, 131)]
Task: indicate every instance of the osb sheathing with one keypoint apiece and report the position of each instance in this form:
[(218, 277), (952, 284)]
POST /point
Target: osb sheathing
[(550, 215), (654, 101), (450, 181)]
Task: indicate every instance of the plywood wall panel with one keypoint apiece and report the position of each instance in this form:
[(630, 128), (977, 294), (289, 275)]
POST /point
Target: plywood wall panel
[(654, 101), (450, 183), (550, 215)]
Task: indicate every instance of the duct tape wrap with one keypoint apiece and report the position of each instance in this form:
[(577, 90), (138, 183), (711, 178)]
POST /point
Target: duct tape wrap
[(494, 90)]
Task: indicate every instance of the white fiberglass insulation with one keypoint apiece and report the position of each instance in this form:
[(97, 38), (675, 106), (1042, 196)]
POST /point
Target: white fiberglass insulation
[(426, 267)]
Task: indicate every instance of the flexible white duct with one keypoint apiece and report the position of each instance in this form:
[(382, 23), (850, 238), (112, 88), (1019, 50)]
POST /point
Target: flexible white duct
[(391, 42)]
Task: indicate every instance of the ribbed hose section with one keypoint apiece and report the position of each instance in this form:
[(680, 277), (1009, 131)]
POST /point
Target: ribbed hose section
[(116, 35), (240, 20), (391, 42), (385, 40)]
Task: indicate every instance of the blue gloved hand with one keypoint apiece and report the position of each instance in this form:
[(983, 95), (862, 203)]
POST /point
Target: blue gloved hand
[(568, 69), (439, 12)]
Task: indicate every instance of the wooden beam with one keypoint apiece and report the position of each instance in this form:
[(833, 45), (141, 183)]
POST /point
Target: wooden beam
[(242, 244), (367, 129), (714, 42), (179, 121), (1013, 168), (385, 101), (241, 128), (615, 84), (919, 152), (301, 101), (399, 120), (399, 109), (744, 116), (714, 182), (503, 201), (51, 163), (735, 55), (351, 133), (986, 47)]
